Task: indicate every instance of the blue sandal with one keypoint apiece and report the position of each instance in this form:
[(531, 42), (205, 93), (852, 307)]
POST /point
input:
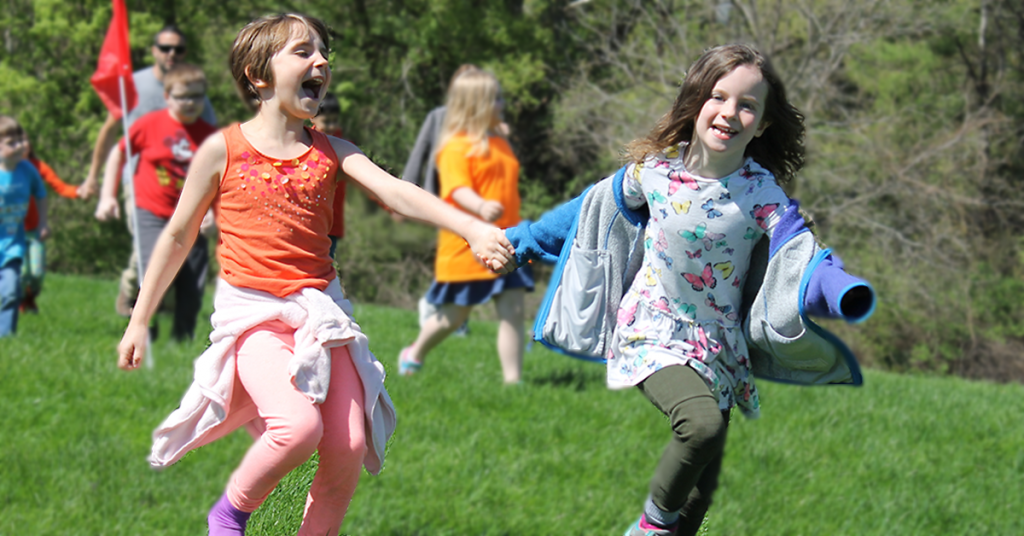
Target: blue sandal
[(406, 366)]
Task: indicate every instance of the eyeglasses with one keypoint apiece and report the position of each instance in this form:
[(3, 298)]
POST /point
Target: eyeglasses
[(166, 49), (191, 97)]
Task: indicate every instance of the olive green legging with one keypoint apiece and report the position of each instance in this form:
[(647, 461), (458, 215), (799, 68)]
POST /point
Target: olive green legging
[(687, 473)]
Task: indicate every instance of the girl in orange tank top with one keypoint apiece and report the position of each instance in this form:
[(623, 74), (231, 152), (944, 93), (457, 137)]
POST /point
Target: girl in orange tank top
[(286, 359)]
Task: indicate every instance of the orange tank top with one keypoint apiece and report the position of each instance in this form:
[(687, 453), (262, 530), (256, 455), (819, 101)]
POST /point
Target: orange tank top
[(276, 216)]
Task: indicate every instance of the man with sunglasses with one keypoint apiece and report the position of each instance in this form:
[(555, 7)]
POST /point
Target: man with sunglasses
[(168, 49)]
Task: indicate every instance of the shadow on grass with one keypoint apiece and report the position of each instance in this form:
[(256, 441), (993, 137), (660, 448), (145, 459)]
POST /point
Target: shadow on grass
[(579, 379)]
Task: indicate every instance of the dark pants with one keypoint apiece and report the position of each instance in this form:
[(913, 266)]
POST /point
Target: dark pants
[(189, 284), (687, 474)]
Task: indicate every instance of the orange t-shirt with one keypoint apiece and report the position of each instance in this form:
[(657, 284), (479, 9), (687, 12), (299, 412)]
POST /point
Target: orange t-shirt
[(62, 188), (275, 216), (495, 177)]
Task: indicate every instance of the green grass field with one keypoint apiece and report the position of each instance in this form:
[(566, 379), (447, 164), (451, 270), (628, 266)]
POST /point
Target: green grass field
[(558, 455)]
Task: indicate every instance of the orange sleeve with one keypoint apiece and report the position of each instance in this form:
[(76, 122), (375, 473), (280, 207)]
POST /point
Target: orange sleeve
[(49, 176), (453, 167)]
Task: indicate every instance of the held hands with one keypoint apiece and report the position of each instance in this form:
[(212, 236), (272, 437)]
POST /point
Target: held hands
[(87, 189), (133, 346), (491, 247)]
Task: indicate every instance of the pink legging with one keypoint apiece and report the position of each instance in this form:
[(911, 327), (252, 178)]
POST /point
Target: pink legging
[(295, 428)]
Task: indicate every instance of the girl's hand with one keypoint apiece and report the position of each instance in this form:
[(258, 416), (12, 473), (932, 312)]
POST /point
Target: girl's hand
[(133, 346), (491, 247), (490, 211)]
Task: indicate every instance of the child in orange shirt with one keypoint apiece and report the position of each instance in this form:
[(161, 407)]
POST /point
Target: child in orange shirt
[(285, 353), (480, 175)]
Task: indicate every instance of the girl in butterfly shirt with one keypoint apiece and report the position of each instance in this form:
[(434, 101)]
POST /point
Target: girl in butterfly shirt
[(285, 356), (709, 173)]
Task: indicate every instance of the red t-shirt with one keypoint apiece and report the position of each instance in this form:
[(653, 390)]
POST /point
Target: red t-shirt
[(165, 147)]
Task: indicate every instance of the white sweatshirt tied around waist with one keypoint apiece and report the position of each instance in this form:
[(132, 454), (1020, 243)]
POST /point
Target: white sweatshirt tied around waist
[(322, 320)]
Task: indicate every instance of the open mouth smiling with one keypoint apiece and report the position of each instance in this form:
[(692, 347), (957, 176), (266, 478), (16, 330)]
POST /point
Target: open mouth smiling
[(312, 87)]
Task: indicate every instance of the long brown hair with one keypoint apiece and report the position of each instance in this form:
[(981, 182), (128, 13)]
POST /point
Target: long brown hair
[(780, 149)]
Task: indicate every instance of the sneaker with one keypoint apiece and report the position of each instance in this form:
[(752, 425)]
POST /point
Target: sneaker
[(462, 330), (28, 305), (643, 528), (406, 366)]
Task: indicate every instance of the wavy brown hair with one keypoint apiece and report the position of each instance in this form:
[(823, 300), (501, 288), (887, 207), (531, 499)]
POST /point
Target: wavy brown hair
[(257, 43), (780, 149)]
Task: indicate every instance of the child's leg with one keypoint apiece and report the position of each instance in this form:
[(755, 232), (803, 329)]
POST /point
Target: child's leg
[(10, 297), (692, 514), (511, 333), (341, 449), (34, 267), (436, 329), (188, 290), (698, 441), (128, 290), (293, 423)]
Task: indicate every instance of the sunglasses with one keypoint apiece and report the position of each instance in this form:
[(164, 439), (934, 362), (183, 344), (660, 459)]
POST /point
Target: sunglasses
[(166, 49)]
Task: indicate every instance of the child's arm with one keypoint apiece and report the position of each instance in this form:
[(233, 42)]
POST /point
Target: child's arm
[(471, 202), (51, 178), (487, 241), (543, 239), (174, 244), (107, 206)]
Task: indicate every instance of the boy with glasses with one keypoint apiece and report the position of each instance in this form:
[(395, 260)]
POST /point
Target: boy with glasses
[(165, 141), (168, 50), (19, 182)]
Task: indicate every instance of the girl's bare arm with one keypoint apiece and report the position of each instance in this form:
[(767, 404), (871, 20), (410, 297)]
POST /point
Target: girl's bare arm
[(487, 241)]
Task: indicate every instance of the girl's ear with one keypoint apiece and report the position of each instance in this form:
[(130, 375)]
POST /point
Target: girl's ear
[(256, 82), (762, 127)]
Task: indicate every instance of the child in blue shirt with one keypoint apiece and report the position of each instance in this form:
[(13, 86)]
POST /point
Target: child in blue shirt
[(19, 181)]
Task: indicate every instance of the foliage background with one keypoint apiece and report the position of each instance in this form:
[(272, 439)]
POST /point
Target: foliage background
[(915, 114)]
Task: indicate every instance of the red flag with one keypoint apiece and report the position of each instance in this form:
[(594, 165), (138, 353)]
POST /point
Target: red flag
[(115, 62)]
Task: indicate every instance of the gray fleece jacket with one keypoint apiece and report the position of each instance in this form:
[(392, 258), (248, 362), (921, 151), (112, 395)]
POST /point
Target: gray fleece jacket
[(597, 246)]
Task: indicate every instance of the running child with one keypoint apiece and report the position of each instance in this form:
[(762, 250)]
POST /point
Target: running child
[(705, 185), (33, 268), (19, 182), (286, 355), (479, 174), (165, 141)]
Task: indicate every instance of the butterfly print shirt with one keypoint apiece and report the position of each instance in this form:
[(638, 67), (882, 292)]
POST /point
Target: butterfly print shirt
[(683, 305)]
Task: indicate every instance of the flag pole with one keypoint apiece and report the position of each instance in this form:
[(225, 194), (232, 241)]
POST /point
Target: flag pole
[(135, 213)]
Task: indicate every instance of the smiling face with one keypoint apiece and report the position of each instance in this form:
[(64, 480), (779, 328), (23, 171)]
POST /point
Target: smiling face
[(301, 73), (730, 118)]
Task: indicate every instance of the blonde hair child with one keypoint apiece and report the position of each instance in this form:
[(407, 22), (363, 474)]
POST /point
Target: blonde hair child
[(286, 357), (478, 173)]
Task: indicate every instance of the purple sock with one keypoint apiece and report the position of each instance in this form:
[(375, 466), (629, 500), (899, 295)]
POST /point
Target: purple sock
[(226, 520)]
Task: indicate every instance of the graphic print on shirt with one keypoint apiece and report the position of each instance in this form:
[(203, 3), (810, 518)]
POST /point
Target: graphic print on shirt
[(176, 170), (683, 307)]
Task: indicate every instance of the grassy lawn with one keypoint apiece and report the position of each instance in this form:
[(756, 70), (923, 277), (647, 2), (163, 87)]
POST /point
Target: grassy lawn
[(558, 455)]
